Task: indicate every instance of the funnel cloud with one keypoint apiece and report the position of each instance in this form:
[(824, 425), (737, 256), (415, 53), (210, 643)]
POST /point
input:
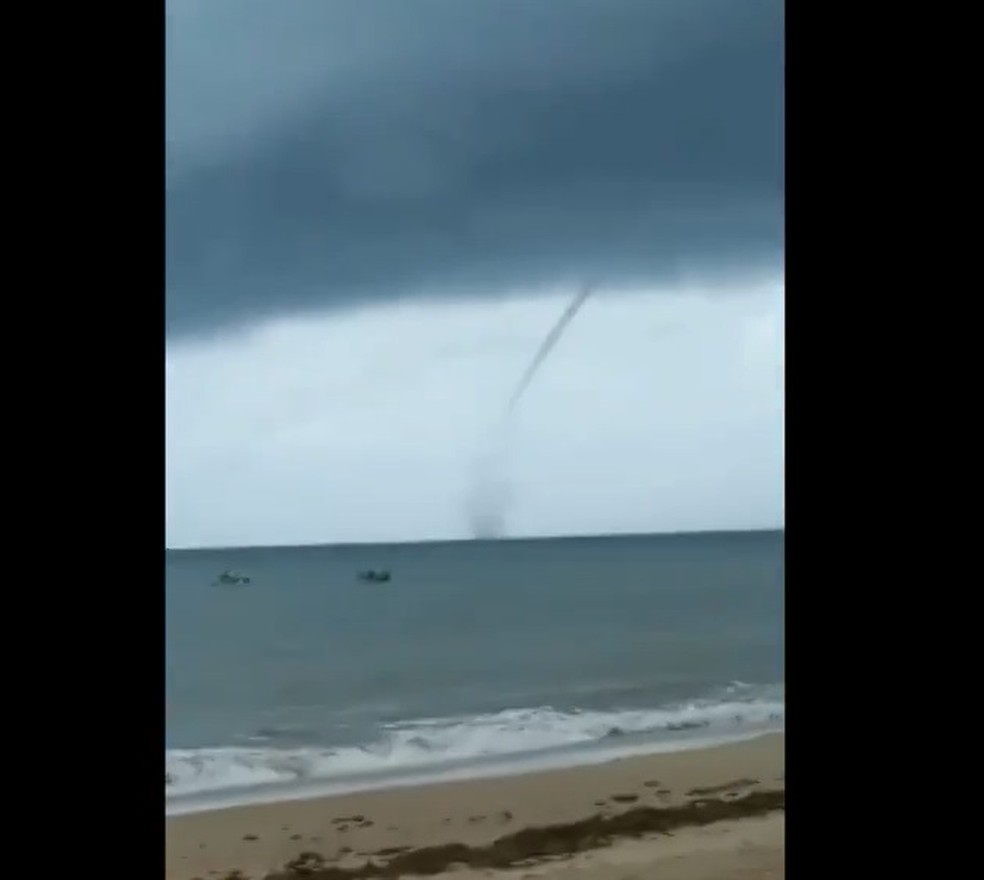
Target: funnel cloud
[(491, 494), (490, 497)]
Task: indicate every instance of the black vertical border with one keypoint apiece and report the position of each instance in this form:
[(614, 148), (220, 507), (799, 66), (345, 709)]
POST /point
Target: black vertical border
[(84, 302), (864, 701)]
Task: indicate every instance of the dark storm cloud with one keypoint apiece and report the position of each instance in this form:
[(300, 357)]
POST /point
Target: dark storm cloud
[(338, 152)]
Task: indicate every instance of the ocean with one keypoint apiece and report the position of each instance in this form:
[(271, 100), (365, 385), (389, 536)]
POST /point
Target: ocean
[(476, 658)]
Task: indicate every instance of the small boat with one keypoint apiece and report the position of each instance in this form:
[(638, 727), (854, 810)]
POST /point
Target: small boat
[(231, 578), (374, 576)]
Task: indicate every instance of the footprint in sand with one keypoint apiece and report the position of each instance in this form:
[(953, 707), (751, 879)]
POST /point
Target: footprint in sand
[(624, 798)]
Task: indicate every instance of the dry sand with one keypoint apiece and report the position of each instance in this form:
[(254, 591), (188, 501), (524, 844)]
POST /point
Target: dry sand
[(706, 814)]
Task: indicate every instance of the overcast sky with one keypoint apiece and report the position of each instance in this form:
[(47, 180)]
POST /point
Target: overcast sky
[(376, 209)]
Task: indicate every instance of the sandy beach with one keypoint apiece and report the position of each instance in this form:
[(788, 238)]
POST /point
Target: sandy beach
[(705, 814)]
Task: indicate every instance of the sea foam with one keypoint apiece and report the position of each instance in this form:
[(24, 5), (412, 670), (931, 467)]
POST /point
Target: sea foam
[(432, 744)]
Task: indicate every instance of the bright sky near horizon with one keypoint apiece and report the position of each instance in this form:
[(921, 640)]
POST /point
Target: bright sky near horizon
[(656, 412)]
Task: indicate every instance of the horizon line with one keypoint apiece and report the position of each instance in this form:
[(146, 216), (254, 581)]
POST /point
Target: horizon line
[(509, 539)]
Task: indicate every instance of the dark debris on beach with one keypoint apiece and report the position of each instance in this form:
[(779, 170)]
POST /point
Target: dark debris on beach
[(533, 844)]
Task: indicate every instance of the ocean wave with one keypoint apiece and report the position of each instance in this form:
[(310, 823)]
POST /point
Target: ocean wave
[(430, 743)]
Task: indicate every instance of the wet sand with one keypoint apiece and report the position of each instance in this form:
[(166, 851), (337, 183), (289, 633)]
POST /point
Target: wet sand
[(712, 813)]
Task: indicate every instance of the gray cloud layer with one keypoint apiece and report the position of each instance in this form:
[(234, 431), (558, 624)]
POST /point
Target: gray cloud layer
[(332, 153)]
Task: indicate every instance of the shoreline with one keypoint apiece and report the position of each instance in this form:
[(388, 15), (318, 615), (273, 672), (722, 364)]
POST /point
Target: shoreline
[(501, 766), (591, 811)]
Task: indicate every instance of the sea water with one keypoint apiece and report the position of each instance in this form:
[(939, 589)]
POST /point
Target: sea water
[(476, 657)]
